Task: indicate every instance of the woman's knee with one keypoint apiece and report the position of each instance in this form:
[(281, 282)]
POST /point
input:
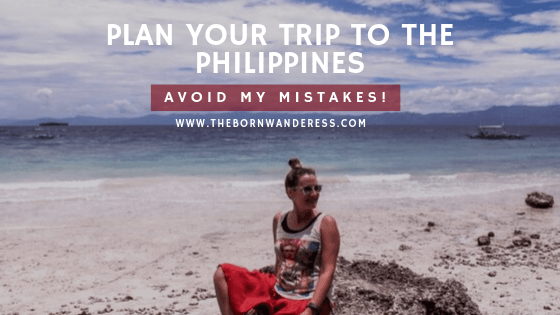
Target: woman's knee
[(219, 276)]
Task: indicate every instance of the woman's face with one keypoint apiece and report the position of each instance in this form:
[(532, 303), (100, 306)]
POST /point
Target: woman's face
[(300, 198)]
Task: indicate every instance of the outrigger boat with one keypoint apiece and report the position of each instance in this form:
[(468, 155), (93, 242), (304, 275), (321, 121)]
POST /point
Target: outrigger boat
[(495, 132), (41, 134)]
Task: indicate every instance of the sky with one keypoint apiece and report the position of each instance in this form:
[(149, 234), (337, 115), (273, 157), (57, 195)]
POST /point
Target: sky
[(55, 60)]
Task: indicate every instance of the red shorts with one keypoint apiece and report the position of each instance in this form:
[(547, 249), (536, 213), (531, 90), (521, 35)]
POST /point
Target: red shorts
[(247, 289)]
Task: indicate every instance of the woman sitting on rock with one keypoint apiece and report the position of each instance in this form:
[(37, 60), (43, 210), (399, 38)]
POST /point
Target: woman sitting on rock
[(306, 243)]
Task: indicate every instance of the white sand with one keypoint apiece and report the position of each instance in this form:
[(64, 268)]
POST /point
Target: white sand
[(159, 240)]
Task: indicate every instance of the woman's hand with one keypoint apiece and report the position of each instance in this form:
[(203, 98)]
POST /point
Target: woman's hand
[(307, 311)]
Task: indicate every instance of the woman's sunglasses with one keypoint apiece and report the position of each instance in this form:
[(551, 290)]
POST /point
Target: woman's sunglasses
[(309, 189)]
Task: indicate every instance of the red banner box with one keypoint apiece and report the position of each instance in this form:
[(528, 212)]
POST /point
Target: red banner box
[(267, 97)]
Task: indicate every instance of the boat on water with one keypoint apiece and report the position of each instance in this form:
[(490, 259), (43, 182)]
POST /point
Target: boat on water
[(41, 134), (495, 132)]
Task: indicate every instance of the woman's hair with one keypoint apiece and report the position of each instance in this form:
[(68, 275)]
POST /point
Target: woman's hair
[(292, 179)]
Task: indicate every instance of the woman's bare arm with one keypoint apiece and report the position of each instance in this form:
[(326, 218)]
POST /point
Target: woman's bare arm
[(275, 222), (330, 245)]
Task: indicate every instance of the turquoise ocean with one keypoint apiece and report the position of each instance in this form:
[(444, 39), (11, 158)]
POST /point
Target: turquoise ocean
[(354, 163), (97, 152)]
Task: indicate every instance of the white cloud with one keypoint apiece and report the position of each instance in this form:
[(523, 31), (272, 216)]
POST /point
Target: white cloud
[(435, 9), (510, 46), (41, 96), (69, 54), (123, 107), (453, 99), (544, 1), (463, 10), (75, 36), (477, 7), (120, 108), (551, 18), (40, 59), (518, 43), (381, 3), (46, 92)]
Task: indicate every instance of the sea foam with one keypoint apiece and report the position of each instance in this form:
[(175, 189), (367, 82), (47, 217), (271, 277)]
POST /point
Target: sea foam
[(378, 178), (75, 184)]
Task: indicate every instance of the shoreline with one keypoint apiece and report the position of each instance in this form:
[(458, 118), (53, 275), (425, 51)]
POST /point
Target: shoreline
[(327, 175)]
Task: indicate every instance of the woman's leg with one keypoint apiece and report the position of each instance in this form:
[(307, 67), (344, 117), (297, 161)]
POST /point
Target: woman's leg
[(221, 288)]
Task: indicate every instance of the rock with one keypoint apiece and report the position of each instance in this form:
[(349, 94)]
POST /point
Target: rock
[(539, 200), (517, 232), (431, 224), (492, 274), (491, 234), (483, 240), (524, 242), (404, 247), (535, 236), (369, 287)]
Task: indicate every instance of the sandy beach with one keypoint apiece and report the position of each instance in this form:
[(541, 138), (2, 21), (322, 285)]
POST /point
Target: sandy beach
[(151, 245)]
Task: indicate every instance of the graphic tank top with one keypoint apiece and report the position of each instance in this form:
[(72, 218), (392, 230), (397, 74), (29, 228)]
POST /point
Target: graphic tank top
[(299, 257)]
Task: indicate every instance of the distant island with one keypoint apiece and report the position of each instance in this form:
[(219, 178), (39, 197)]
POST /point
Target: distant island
[(53, 124), (519, 115)]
